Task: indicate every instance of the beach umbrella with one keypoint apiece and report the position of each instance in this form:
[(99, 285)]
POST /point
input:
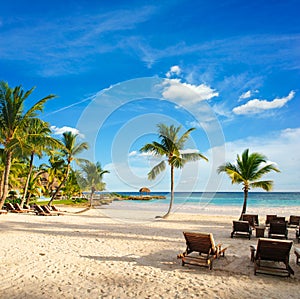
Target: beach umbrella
[(144, 190)]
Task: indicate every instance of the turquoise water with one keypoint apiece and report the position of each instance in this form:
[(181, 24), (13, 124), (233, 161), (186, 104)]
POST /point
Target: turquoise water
[(259, 199)]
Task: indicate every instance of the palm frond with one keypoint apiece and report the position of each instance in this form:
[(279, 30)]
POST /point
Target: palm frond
[(156, 170)]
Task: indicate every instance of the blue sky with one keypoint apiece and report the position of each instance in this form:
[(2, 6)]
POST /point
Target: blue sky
[(228, 68)]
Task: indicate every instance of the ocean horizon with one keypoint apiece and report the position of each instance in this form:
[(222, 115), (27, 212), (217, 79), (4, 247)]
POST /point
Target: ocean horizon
[(255, 199)]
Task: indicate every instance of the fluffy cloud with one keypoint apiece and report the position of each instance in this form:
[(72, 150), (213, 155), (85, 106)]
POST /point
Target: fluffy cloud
[(245, 95), (256, 106), (188, 94), (60, 131), (174, 70)]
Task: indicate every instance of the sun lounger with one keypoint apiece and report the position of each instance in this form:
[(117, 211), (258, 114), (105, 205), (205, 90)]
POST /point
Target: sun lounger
[(270, 218), (47, 210), (294, 221), (251, 218), (11, 208), (278, 229), (3, 212), (39, 211), (242, 228), (201, 249), (268, 256), (18, 208)]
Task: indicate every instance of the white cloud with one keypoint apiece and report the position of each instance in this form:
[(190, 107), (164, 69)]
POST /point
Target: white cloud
[(60, 131), (245, 95), (174, 70), (185, 93), (256, 106)]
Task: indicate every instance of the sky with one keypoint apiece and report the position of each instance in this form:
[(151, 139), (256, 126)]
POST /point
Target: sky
[(228, 68)]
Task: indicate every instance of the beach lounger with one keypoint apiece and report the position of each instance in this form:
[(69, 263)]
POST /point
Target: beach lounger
[(251, 218), (278, 229), (294, 221), (18, 208), (201, 249), (40, 212), (269, 255), (270, 218), (3, 212), (47, 210), (242, 228), (11, 208)]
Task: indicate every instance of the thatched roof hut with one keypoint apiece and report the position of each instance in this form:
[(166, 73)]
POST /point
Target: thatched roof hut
[(144, 190)]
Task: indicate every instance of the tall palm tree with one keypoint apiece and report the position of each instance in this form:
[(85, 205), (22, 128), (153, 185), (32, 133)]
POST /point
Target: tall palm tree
[(37, 141), (70, 149), (171, 147), (92, 177), (247, 171), (13, 118)]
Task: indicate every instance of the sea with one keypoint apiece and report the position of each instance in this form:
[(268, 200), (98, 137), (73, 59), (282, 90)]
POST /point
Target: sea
[(255, 199)]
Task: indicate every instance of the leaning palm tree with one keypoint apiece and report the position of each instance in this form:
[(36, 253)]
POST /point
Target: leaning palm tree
[(13, 118), (247, 171), (92, 177), (70, 149), (171, 147)]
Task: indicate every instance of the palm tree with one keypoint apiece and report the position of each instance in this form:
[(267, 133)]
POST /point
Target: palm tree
[(70, 149), (92, 177), (171, 147), (37, 141), (13, 118), (248, 170)]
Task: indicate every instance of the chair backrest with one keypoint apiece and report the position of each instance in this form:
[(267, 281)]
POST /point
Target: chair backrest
[(294, 220), (241, 226), (278, 227), (270, 218), (46, 209), (251, 218), (10, 206), (18, 207), (273, 250), (199, 242), (38, 209), (282, 219)]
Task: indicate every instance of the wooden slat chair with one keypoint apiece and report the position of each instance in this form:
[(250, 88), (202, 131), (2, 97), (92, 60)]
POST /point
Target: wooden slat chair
[(269, 254), (251, 218), (18, 208), (47, 210), (11, 208), (294, 221), (39, 211), (278, 229), (204, 245), (270, 218), (242, 228)]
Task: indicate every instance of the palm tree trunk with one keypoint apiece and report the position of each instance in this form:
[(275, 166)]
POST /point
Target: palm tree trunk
[(245, 203), (27, 180), (172, 193), (60, 185), (6, 176)]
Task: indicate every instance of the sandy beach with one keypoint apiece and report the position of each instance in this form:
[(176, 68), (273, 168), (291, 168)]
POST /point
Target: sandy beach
[(114, 252)]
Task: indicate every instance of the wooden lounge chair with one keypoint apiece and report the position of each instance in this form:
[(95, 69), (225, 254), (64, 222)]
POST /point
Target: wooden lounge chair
[(294, 221), (251, 218), (269, 254), (204, 246), (11, 208), (3, 212), (47, 210), (242, 228), (278, 229), (270, 218), (18, 208), (39, 211)]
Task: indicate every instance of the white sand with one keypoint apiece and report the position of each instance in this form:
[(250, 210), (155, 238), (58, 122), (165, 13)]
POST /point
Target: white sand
[(114, 252)]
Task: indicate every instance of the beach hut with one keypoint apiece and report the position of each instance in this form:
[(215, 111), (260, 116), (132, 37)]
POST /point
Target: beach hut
[(144, 190)]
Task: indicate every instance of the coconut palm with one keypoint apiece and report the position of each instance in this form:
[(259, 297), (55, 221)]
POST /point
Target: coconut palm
[(171, 147), (35, 142), (70, 149), (13, 118), (248, 171), (92, 177)]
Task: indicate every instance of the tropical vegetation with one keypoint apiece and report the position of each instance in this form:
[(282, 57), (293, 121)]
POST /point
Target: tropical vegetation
[(248, 171), (171, 147), (24, 136)]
